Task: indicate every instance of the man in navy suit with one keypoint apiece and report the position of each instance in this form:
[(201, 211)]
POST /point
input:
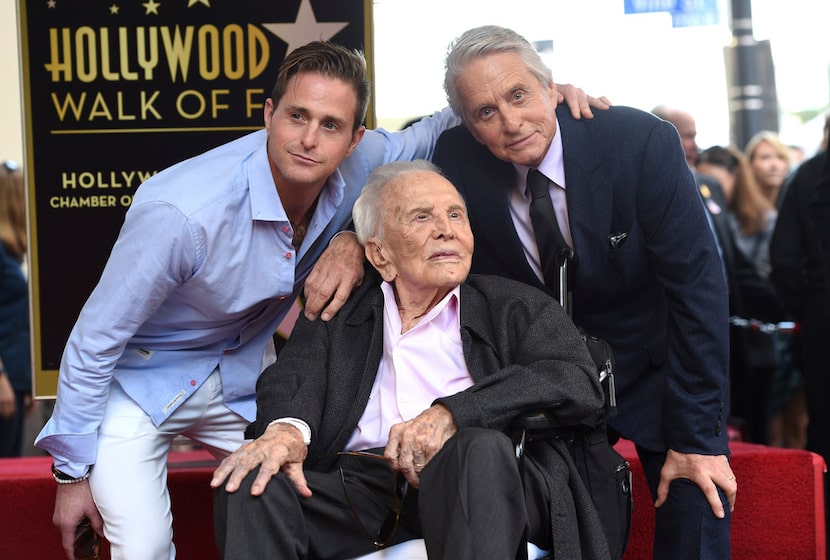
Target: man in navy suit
[(646, 275)]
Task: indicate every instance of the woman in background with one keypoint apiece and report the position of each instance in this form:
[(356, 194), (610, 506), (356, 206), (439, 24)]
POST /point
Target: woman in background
[(754, 356), (15, 360), (771, 162)]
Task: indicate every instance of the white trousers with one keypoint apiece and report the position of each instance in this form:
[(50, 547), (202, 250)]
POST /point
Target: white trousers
[(129, 479)]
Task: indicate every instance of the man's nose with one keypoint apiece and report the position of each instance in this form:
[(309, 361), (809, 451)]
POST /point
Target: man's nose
[(310, 136), (511, 119), (443, 227)]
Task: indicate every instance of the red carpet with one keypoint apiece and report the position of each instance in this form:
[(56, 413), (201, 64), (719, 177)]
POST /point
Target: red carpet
[(779, 513)]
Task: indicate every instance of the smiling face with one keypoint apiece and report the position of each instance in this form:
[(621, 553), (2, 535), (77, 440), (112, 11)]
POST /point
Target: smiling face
[(507, 109), (310, 130), (769, 165), (427, 244)]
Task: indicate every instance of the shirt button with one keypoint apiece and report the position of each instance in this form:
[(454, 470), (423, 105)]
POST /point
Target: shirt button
[(288, 255), (192, 382)]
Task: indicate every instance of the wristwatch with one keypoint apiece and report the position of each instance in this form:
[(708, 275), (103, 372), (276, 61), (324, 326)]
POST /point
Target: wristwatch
[(63, 478)]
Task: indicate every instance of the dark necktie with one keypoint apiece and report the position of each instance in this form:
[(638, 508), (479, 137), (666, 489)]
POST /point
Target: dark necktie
[(553, 249)]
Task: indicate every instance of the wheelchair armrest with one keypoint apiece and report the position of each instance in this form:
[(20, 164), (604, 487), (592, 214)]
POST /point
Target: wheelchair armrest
[(536, 425), (532, 426), (539, 424)]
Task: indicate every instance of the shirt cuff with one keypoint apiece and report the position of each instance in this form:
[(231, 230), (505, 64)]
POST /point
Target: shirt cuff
[(297, 423)]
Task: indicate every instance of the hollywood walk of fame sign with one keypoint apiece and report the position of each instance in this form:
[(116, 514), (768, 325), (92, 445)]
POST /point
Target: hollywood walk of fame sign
[(117, 90)]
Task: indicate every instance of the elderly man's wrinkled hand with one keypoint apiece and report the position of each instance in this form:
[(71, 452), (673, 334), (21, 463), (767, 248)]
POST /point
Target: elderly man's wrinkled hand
[(338, 270), (707, 471), (281, 447), (414, 443)]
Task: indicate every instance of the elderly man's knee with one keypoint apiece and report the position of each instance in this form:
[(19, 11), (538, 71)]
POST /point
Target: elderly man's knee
[(481, 446)]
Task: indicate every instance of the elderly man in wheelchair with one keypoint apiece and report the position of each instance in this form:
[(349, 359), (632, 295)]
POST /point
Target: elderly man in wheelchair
[(391, 422)]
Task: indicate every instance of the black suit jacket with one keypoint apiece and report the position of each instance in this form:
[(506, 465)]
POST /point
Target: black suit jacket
[(820, 211), (657, 294), (521, 350), (795, 249)]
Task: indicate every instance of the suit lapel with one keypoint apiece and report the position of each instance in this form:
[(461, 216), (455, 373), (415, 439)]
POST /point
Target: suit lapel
[(589, 193)]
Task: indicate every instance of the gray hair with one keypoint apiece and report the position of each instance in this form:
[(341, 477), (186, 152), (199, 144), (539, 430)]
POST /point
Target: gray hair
[(483, 41), (367, 213)]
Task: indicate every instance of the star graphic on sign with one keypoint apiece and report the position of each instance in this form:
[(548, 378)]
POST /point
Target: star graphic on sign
[(194, 2), (114, 9), (152, 7), (51, 4), (305, 28)]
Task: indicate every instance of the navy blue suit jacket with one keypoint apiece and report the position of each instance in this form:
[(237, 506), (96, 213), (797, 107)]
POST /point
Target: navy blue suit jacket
[(657, 294)]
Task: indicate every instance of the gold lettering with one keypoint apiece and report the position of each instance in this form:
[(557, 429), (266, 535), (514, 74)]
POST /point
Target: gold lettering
[(214, 101), (68, 180), (121, 115), (106, 71), (147, 105), (250, 106), (200, 99), (256, 38), (99, 108), (71, 180), (233, 39), (90, 54), (124, 49), (147, 59), (209, 66), (144, 175), (91, 201), (177, 50), (69, 102), (60, 60), (87, 67)]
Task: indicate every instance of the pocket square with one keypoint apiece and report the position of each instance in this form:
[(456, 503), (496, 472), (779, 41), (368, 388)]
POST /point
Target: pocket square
[(617, 239)]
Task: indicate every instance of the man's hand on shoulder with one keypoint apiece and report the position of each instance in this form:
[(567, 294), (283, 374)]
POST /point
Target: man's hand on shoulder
[(281, 447), (579, 102), (337, 272)]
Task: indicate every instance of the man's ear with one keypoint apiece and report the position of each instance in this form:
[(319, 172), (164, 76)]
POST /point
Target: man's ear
[(376, 256), (356, 138), (268, 113)]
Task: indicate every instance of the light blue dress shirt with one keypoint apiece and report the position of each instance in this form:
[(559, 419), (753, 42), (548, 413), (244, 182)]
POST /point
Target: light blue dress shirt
[(202, 273)]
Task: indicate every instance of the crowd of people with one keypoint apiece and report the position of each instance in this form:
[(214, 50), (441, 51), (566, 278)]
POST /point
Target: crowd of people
[(779, 287), (347, 424), (776, 282)]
